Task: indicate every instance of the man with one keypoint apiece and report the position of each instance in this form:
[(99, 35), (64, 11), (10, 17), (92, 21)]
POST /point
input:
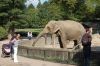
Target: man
[(29, 34)]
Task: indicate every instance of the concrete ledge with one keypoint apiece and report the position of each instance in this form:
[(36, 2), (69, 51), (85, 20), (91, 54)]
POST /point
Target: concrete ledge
[(57, 55)]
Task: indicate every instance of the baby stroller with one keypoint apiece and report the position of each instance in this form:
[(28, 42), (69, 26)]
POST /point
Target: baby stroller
[(6, 50)]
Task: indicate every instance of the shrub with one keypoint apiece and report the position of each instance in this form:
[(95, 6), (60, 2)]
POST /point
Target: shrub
[(3, 33)]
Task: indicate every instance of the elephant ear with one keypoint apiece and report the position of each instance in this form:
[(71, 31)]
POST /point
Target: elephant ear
[(56, 29), (48, 29)]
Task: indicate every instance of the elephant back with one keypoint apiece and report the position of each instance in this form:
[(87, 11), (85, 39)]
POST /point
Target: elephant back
[(72, 29)]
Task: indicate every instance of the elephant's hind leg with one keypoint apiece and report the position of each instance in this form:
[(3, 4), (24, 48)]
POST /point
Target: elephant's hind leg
[(76, 44)]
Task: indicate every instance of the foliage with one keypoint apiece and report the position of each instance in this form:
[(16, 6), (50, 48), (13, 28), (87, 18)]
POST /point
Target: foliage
[(14, 14), (97, 11), (3, 33), (31, 17), (10, 12)]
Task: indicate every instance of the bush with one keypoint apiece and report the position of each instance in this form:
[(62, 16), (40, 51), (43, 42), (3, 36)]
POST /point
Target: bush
[(3, 33)]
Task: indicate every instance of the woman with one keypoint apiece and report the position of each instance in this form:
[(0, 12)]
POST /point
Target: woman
[(12, 43), (15, 46), (16, 42)]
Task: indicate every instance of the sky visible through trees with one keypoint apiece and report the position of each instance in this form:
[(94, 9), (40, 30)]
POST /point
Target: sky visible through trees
[(33, 2)]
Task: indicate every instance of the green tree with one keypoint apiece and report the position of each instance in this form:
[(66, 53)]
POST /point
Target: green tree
[(32, 16), (67, 7), (3, 12), (11, 11)]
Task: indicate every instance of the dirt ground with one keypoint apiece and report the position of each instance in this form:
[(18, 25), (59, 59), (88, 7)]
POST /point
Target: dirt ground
[(33, 62)]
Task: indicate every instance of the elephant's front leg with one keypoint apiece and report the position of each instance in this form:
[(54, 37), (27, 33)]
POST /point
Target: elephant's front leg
[(53, 37), (45, 36), (64, 41)]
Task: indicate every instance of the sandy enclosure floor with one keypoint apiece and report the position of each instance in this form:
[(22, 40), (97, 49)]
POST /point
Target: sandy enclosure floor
[(41, 42)]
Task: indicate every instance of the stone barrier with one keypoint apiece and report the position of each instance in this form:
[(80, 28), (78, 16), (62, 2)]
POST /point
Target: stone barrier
[(57, 55)]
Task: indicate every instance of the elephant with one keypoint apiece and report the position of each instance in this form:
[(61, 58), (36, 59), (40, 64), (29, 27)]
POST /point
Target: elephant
[(67, 30)]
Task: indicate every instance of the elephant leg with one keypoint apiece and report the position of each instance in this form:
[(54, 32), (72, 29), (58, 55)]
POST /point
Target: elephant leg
[(64, 41), (76, 44), (60, 42), (53, 40), (45, 36)]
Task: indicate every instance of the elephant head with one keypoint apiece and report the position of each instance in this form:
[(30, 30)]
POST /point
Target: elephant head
[(50, 28)]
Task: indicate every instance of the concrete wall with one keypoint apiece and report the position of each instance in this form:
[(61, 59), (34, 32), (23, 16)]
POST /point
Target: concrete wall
[(58, 55)]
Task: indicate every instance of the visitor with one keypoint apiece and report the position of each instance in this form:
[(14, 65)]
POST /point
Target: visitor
[(29, 34), (15, 42), (11, 44), (86, 43)]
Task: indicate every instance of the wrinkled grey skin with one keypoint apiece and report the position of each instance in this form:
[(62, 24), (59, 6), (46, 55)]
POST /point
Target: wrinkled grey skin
[(68, 30)]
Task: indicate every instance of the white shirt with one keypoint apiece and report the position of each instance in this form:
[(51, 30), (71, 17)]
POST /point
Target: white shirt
[(16, 43), (29, 34)]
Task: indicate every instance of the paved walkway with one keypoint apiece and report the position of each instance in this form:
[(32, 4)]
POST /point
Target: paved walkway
[(23, 61)]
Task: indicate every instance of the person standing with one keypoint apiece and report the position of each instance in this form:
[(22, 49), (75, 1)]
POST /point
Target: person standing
[(16, 42), (29, 34), (11, 42), (86, 43)]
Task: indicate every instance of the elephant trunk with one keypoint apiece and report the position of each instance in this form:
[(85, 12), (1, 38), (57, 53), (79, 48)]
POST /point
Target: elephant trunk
[(45, 39), (37, 38)]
